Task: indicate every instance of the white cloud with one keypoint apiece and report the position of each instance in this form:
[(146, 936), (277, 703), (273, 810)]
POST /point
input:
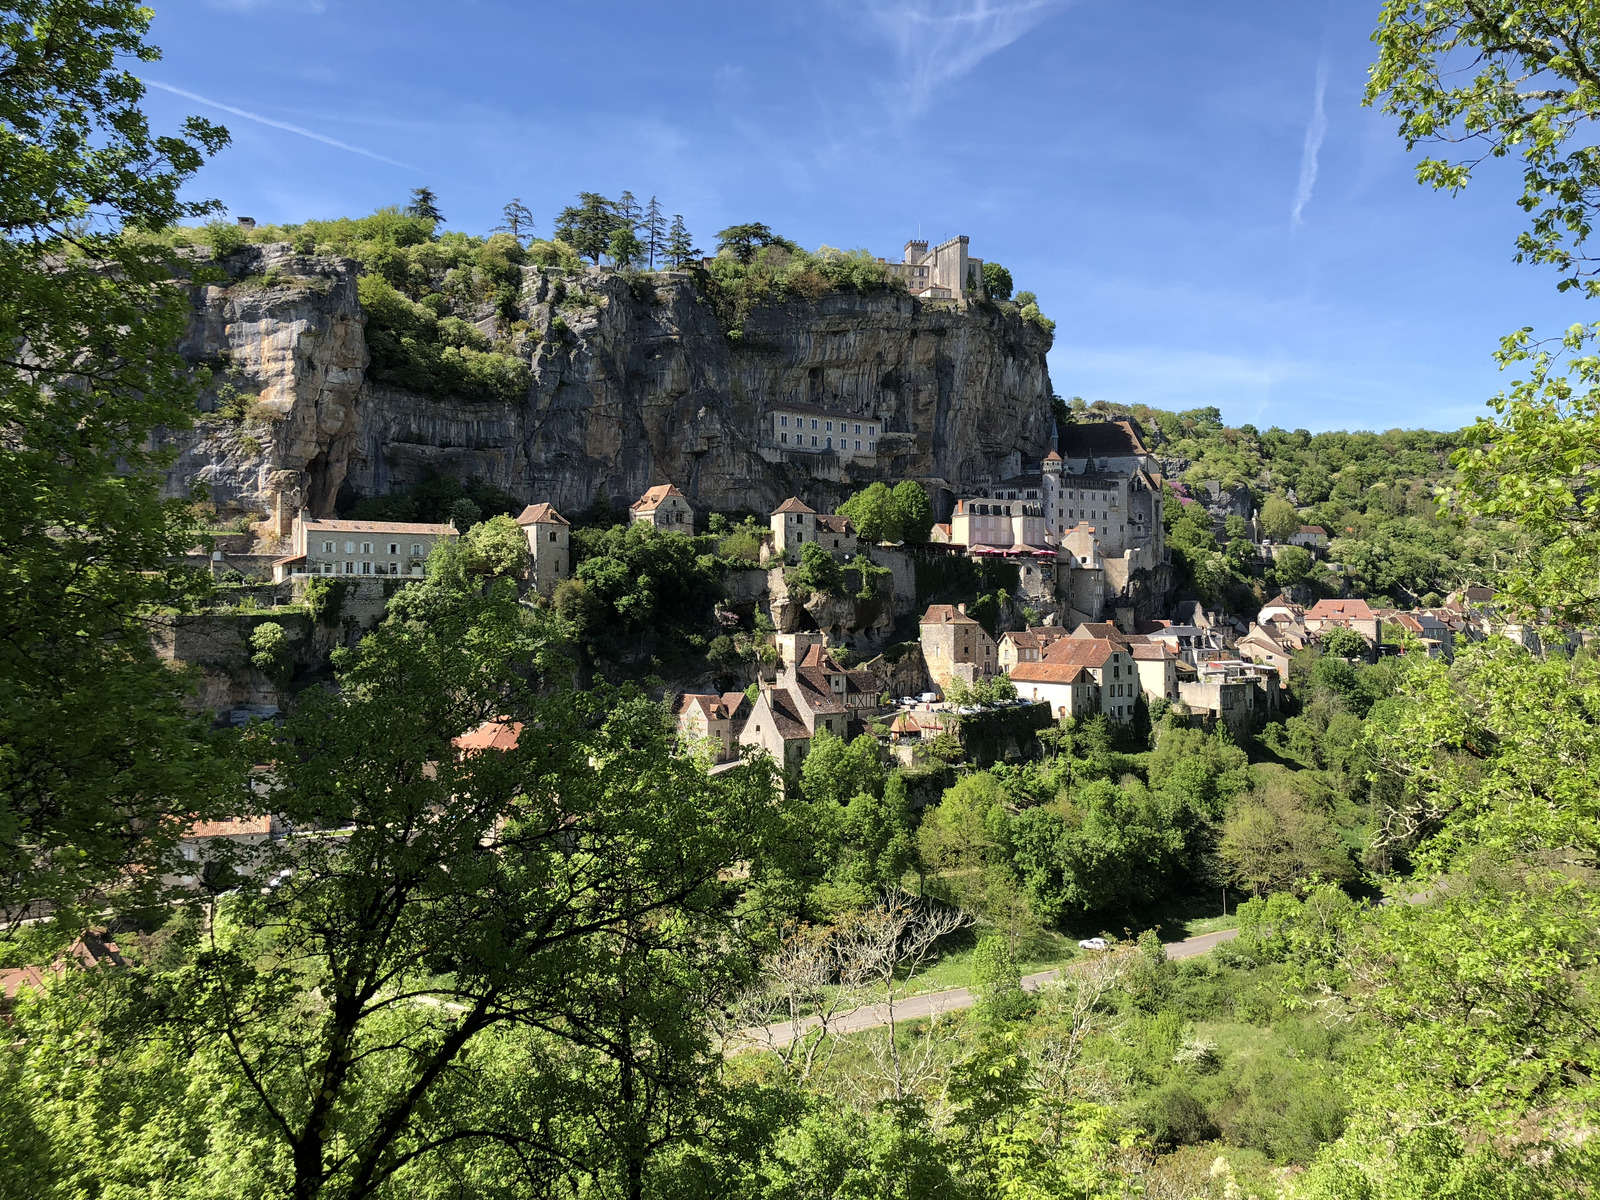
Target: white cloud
[(938, 41), (1316, 129), (303, 132)]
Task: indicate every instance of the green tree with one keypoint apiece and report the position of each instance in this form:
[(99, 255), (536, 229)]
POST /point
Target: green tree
[(1290, 566), (588, 225), (817, 572), (742, 241), (424, 206), (497, 547), (1280, 520), (517, 220), (996, 281), (836, 771), (913, 511), (481, 918), (1340, 642), (874, 513), (271, 653), (654, 228), (97, 745), (625, 248), (1273, 840), (996, 980), (680, 246)]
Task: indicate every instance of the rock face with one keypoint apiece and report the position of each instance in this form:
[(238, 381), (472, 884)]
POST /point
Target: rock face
[(634, 382)]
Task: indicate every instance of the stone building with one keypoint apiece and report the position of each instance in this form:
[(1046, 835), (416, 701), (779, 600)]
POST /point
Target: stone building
[(956, 647), (332, 547), (945, 272), (1109, 663), (665, 507), (549, 547), (1068, 688), (809, 429), (794, 523), (714, 720)]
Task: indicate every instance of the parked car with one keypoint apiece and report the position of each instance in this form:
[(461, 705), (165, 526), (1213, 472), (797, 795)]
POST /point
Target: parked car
[(1092, 944)]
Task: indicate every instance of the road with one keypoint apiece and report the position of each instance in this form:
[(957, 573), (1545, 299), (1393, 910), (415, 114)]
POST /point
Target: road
[(930, 1004)]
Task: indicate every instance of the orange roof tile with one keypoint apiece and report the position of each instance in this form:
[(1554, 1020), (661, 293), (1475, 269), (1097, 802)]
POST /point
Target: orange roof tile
[(541, 514)]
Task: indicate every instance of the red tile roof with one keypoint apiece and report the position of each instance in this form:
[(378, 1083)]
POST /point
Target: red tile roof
[(541, 514), (233, 827), (1349, 610), (794, 505), (786, 715), (834, 523), (491, 735), (1154, 652), (652, 499), (945, 614), (1049, 672), (1087, 652)]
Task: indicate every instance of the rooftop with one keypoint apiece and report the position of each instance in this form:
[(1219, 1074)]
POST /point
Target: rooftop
[(655, 496), (541, 514), (332, 526)]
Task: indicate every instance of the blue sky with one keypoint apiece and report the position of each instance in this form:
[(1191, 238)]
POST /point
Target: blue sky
[(1193, 190)]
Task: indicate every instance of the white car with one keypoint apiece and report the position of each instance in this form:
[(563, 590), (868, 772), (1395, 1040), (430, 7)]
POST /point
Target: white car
[(1092, 944)]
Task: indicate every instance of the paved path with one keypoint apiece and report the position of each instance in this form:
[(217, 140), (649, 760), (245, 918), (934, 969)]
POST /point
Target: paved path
[(929, 1004)]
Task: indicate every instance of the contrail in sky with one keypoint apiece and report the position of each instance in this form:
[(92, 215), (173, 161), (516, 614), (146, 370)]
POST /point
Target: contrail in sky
[(1308, 156), (250, 116)]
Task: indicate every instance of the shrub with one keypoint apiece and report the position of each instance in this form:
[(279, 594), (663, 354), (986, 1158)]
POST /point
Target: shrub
[(325, 599), (271, 653)]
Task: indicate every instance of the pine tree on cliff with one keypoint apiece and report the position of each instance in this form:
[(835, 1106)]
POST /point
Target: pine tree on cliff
[(654, 228), (588, 225), (518, 220), (628, 210), (680, 246), (424, 204)]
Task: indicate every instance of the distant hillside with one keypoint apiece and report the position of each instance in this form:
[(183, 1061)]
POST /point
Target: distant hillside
[(1376, 495)]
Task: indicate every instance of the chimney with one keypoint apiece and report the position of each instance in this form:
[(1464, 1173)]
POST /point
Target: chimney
[(962, 608)]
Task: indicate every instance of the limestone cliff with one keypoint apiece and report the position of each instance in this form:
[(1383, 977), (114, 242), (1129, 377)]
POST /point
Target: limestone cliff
[(633, 382)]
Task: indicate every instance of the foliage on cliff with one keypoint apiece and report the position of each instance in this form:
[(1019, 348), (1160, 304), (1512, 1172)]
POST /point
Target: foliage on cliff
[(736, 282)]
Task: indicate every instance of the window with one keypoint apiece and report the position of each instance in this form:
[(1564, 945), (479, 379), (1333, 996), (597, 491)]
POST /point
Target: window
[(858, 440), (552, 535), (394, 547), (813, 436), (873, 430), (830, 443), (873, 446), (829, 424), (366, 568), (366, 547), (784, 421), (349, 568), (349, 547), (813, 425), (191, 854), (327, 547), (858, 427), (416, 547), (784, 438)]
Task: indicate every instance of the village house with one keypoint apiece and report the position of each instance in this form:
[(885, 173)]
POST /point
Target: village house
[(814, 694), (1350, 614), (1312, 537), (665, 507), (955, 646), (1157, 665), (1433, 635), (795, 523), (1109, 664), (1263, 644), (1068, 688), (90, 950), (1003, 525), (1026, 645), (713, 720), (549, 549), (776, 726), (1242, 696), (333, 547)]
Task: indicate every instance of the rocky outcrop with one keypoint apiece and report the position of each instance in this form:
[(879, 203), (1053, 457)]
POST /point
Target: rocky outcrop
[(634, 382)]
